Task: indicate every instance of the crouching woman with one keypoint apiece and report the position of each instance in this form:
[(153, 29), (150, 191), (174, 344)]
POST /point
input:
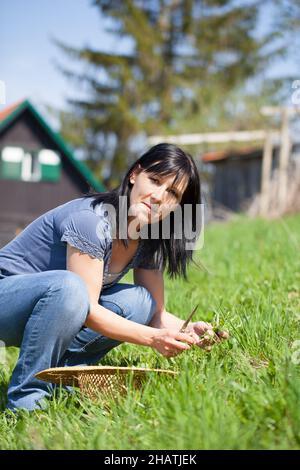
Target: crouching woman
[(61, 301)]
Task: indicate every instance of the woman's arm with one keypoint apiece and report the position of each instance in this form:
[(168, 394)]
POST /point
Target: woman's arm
[(153, 280), (108, 323)]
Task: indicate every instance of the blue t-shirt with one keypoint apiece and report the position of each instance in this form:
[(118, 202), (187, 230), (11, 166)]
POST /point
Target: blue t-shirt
[(42, 245)]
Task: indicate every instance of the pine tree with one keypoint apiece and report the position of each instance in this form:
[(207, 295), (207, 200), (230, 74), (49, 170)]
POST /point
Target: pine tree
[(187, 56)]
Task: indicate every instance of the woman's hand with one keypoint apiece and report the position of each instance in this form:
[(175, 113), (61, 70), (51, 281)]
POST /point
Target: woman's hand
[(170, 342), (208, 337)]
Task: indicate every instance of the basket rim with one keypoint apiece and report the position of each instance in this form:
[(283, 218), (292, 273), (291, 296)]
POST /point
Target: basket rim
[(69, 374)]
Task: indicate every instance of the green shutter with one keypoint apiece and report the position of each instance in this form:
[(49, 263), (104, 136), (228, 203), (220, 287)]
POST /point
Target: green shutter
[(11, 163), (50, 165)]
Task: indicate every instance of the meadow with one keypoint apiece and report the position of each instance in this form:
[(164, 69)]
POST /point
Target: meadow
[(244, 394)]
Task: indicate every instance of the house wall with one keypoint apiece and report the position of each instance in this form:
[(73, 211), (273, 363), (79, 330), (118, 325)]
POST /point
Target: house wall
[(236, 182), (22, 201)]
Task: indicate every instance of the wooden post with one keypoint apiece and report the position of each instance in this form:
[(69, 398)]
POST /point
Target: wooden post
[(283, 161), (266, 175), (285, 147)]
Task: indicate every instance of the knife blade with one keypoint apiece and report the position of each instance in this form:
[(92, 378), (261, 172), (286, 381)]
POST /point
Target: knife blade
[(187, 321)]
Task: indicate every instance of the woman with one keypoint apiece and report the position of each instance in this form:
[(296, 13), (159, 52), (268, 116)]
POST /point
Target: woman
[(60, 297)]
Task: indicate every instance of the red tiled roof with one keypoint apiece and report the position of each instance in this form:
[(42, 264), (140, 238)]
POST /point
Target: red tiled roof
[(10, 109), (223, 154)]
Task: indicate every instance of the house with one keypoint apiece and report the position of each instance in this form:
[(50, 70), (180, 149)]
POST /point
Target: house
[(38, 170), (235, 176)]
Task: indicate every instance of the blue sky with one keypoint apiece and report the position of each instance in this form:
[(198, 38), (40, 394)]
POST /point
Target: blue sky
[(27, 55)]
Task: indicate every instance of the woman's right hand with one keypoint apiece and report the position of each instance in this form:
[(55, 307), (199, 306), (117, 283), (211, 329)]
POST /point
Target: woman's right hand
[(170, 342)]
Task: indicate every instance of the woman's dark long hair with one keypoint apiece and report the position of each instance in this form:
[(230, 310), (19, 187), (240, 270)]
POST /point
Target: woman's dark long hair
[(164, 160)]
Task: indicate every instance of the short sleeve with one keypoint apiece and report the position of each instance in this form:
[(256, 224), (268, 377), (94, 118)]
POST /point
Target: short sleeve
[(85, 231)]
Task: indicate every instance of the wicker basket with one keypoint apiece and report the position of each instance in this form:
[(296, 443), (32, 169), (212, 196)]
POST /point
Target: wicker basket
[(105, 381)]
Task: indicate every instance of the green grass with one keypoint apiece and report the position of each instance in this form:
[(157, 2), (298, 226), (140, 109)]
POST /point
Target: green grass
[(245, 394)]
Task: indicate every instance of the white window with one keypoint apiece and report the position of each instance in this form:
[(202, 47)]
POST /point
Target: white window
[(12, 154), (48, 157), (31, 170), (25, 165)]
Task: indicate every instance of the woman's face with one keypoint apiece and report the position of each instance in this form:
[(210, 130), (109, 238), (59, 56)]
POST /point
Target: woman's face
[(153, 197)]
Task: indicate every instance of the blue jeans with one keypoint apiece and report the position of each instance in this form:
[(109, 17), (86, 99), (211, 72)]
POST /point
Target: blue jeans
[(44, 314)]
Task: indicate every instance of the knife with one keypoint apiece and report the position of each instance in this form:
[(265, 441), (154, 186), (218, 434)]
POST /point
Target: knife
[(187, 321)]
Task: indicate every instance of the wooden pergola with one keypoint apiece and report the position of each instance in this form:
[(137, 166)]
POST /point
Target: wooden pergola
[(268, 136)]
